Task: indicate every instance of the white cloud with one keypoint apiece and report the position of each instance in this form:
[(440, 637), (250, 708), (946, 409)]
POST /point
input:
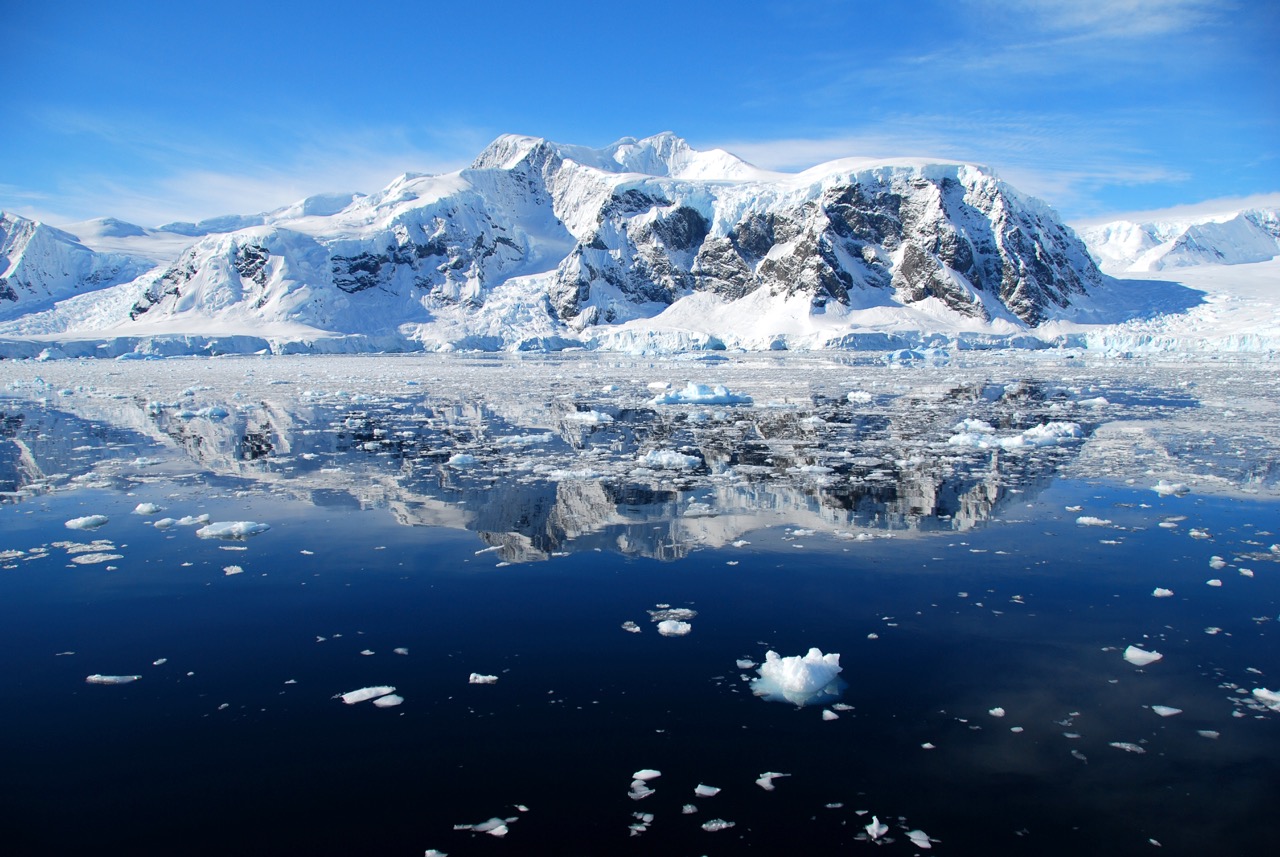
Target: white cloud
[(1117, 19)]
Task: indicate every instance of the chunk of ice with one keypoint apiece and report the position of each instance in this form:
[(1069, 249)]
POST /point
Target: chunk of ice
[(919, 839), (1140, 657), (391, 700), (702, 394), (798, 679), (111, 679), (1170, 489), (717, 824), (876, 829), (147, 509), (351, 697), (477, 678), (88, 522), (232, 530), (1127, 746), (645, 774), (706, 791), (1214, 582), (1158, 592), (766, 780), (669, 459), (828, 714), (996, 712), (1090, 521), (674, 628), (1269, 698), (1165, 710)]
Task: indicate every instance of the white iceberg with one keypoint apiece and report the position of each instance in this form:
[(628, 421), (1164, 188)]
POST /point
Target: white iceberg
[(88, 522), (717, 824), (766, 780), (801, 680), (1166, 710), (147, 509), (1160, 592), (919, 839), (646, 774), (477, 678), (391, 700), (351, 697), (232, 530), (1170, 489), (702, 394), (876, 828), (674, 628), (706, 791), (1140, 657), (1269, 698), (111, 679), (669, 459)]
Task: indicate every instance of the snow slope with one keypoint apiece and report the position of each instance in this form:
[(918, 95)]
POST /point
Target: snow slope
[(1231, 238)]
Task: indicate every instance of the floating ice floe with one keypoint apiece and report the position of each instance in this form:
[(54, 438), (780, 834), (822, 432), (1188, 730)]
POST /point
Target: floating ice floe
[(669, 459), (876, 828), (1090, 521), (1269, 698), (391, 700), (976, 434), (674, 628), (1127, 746), (705, 791), (766, 780), (996, 712), (1166, 710), (95, 558), (828, 714), (859, 397), (147, 509), (232, 569), (1140, 657), (1214, 582), (630, 627), (1217, 562), (494, 827), (1170, 489), (88, 522), (717, 824), (1159, 592), (477, 678), (192, 520), (232, 530), (110, 679), (164, 523), (919, 839), (799, 679), (646, 774), (400, 651), (702, 394), (463, 459), (351, 697)]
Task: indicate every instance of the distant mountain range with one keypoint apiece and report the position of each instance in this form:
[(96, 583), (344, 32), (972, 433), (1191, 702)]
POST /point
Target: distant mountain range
[(1233, 238), (644, 244)]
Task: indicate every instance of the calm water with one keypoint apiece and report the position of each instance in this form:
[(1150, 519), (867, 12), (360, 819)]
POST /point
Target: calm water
[(951, 578)]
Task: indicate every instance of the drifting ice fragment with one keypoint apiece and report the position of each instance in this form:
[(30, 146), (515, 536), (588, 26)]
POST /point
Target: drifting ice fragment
[(1165, 710), (389, 701), (1127, 746), (1207, 733), (232, 569), (400, 651), (766, 780), (646, 774), (1162, 593), (673, 628), (1269, 698), (232, 530), (477, 678), (1090, 521), (192, 520), (828, 714), (717, 824), (996, 712), (1139, 657), (876, 829), (799, 679), (1166, 489), (919, 839), (630, 627), (1215, 582), (88, 522), (146, 509), (746, 664), (701, 394), (669, 459), (111, 679), (706, 791), (351, 697)]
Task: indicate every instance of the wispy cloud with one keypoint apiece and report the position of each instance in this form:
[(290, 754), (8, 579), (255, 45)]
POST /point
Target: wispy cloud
[(1207, 208), (166, 174), (1117, 19)]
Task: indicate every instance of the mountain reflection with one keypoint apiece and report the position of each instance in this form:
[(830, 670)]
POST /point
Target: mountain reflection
[(567, 473)]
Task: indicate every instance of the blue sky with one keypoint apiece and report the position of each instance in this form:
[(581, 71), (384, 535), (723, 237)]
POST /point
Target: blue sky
[(154, 112)]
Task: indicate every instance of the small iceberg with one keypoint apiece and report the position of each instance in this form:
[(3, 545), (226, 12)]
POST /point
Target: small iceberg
[(1166, 710), (1170, 489), (674, 628), (360, 695), (232, 530), (702, 394), (1140, 657), (477, 678), (1269, 698), (147, 509), (800, 679), (88, 522), (110, 679)]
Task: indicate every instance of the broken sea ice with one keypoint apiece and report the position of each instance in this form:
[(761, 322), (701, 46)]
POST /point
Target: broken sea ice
[(801, 680)]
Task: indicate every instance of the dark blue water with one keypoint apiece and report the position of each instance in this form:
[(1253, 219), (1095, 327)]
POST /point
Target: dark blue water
[(213, 752)]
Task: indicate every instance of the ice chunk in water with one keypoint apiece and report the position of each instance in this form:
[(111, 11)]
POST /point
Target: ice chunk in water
[(351, 697), (717, 824), (669, 459), (876, 828), (1165, 710), (766, 780), (996, 712), (1140, 657), (88, 522), (702, 394), (919, 839), (146, 509), (674, 628), (477, 678), (389, 701), (1167, 489), (232, 530), (646, 774), (799, 679), (1162, 593), (1269, 698), (1090, 521), (706, 791), (1127, 746), (111, 679)]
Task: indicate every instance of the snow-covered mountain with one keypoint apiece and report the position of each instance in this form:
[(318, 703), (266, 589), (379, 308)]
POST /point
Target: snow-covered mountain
[(40, 265), (1233, 238), (543, 245)]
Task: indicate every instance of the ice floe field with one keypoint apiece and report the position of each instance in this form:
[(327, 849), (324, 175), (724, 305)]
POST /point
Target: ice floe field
[(956, 603)]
